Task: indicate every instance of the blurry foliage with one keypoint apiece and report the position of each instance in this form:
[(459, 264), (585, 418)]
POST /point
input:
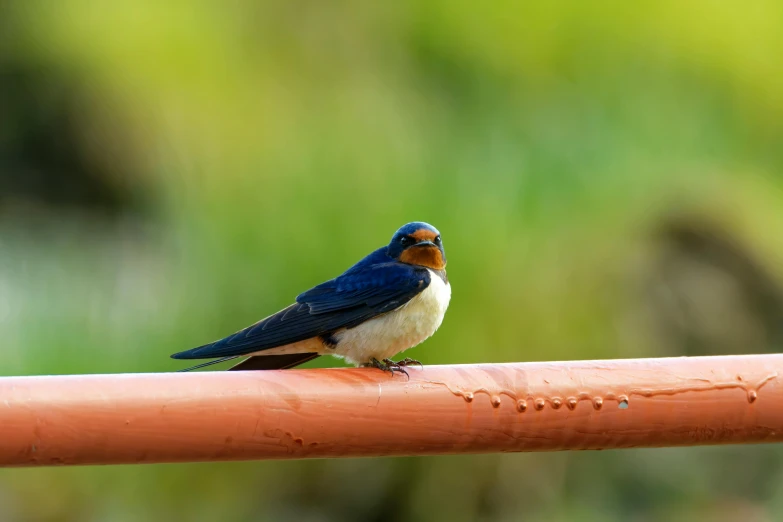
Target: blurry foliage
[(607, 178)]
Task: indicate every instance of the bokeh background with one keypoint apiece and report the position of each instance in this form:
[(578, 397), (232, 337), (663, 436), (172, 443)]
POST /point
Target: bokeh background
[(608, 179)]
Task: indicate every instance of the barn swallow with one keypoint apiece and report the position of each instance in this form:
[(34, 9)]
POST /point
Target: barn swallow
[(390, 301)]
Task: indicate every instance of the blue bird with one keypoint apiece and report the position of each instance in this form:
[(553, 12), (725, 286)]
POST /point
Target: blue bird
[(390, 301)]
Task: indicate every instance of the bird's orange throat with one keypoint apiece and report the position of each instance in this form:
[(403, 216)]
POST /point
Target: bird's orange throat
[(429, 256)]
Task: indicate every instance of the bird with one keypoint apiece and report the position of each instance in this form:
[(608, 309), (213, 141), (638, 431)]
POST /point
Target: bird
[(391, 300)]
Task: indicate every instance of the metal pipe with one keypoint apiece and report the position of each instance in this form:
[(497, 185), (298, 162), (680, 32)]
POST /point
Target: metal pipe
[(352, 412)]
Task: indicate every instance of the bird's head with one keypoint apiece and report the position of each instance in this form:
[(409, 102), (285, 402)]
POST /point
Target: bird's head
[(419, 244)]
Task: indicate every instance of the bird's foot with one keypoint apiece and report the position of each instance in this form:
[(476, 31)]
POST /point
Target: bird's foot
[(387, 365), (405, 362)]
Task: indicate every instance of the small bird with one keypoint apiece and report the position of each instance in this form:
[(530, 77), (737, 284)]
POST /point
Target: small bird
[(390, 301)]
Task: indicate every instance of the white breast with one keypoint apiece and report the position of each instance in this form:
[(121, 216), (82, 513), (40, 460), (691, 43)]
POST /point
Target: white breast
[(403, 328)]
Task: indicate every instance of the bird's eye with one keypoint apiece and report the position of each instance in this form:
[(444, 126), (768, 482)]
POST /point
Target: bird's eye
[(405, 240), (437, 240)]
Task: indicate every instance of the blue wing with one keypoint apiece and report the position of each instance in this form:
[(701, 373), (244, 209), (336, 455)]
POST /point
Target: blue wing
[(367, 290)]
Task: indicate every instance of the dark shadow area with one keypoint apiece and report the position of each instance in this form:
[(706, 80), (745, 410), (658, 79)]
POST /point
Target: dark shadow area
[(43, 163), (708, 295)]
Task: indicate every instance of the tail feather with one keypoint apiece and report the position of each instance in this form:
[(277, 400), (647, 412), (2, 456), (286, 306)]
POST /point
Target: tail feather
[(274, 362), (209, 363)]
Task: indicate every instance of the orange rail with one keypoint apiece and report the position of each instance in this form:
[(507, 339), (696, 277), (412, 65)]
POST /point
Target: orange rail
[(211, 416)]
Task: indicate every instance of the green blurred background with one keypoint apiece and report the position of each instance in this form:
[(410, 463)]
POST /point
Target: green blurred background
[(608, 179)]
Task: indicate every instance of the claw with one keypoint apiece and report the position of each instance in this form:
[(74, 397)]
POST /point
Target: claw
[(408, 361), (387, 365)]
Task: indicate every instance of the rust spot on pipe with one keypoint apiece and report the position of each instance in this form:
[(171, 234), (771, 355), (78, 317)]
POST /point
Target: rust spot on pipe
[(501, 379)]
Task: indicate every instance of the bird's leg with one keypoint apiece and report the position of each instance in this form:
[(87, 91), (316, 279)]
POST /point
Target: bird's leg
[(387, 365)]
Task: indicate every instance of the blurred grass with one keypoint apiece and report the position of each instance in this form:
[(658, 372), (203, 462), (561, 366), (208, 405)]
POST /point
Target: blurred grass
[(277, 144)]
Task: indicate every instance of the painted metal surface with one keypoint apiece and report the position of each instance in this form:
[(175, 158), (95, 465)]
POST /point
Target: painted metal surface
[(351, 412)]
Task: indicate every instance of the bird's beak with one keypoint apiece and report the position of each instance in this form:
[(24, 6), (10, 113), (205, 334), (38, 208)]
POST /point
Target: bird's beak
[(425, 243)]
